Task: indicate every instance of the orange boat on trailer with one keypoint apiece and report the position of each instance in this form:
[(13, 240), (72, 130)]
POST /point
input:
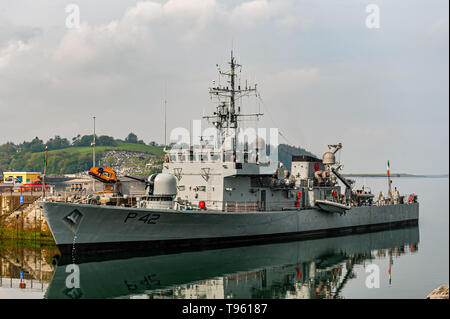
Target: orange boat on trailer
[(104, 174)]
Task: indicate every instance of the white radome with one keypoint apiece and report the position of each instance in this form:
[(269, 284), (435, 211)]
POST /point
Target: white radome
[(165, 184)]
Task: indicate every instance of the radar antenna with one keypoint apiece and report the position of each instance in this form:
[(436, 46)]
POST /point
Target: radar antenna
[(226, 117)]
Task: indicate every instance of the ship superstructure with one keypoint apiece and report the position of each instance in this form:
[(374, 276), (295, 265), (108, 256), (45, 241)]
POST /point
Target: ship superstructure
[(231, 170)]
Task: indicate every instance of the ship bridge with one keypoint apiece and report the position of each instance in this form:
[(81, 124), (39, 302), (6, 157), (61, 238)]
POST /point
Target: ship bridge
[(232, 163)]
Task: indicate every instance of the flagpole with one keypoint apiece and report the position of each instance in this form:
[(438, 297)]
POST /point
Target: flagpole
[(389, 182), (390, 266)]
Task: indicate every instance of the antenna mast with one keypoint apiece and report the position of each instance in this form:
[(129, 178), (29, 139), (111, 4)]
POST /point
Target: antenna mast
[(226, 118)]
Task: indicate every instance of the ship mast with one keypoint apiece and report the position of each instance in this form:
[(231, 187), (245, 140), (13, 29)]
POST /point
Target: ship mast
[(226, 118)]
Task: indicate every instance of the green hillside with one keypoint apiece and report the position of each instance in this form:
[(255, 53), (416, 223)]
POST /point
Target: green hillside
[(68, 160), (122, 146)]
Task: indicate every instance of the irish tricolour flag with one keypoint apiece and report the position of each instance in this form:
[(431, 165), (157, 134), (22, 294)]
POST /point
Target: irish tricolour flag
[(388, 169)]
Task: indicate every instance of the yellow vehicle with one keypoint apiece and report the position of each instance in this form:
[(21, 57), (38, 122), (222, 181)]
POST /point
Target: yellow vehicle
[(22, 177)]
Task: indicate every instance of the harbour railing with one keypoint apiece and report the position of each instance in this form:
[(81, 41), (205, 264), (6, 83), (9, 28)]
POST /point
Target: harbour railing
[(18, 193)]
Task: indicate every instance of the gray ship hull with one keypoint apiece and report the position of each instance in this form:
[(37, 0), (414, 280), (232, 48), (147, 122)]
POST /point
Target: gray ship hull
[(93, 229)]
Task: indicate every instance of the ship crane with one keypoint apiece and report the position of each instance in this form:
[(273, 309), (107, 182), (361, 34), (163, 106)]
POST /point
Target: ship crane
[(336, 147), (347, 183), (329, 159)]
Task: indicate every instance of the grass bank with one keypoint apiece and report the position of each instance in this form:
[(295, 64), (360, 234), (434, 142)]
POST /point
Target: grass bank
[(8, 236)]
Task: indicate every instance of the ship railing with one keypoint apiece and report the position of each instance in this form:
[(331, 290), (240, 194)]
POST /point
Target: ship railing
[(402, 199), (209, 155), (235, 206), (255, 206), (240, 206)]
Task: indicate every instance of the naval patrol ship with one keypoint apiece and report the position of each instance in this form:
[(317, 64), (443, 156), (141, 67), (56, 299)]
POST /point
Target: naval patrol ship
[(230, 189)]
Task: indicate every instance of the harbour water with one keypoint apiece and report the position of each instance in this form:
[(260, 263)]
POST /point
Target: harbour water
[(400, 263)]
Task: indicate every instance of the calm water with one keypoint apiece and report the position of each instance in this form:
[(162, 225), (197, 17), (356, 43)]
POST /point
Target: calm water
[(411, 262)]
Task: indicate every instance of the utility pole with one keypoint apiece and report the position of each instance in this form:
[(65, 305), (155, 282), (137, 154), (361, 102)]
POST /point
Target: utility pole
[(45, 172), (165, 115)]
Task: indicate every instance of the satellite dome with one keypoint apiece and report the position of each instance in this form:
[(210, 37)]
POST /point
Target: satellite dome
[(328, 158), (165, 184)]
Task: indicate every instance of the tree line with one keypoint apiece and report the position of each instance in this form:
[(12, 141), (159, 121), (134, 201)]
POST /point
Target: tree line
[(29, 156)]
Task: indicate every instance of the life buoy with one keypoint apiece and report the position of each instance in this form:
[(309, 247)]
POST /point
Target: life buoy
[(299, 195), (335, 193), (202, 205)]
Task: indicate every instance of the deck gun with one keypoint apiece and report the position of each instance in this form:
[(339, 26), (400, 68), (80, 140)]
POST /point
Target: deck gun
[(149, 183)]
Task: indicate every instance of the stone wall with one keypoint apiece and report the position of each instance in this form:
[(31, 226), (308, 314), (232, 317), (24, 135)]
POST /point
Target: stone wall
[(28, 218)]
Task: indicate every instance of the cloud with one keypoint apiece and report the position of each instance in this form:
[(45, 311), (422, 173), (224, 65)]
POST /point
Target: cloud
[(288, 22), (189, 17), (293, 79), (12, 50), (254, 13), (439, 29), (10, 33), (251, 13), (89, 56), (309, 60)]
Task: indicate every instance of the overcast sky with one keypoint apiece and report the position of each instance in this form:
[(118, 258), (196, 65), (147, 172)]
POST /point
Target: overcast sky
[(323, 75)]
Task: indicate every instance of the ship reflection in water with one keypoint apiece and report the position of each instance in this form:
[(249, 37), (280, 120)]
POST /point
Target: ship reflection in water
[(303, 269), (25, 272)]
